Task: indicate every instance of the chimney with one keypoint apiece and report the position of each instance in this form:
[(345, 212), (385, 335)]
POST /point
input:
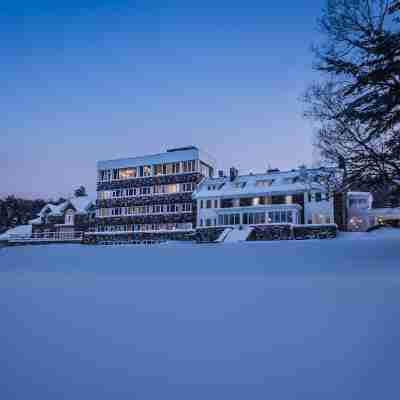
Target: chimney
[(233, 173), (220, 173)]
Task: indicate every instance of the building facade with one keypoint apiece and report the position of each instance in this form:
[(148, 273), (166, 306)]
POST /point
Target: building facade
[(292, 197), (74, 215), (361, 215), (151, 193)]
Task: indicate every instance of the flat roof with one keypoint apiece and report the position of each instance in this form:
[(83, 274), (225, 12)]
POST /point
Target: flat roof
[(169, 156)]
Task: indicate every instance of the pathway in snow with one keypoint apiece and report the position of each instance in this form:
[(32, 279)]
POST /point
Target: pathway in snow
[(238, 235), (223, 235)]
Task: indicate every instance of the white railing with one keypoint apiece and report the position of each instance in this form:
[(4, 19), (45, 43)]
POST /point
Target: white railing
[(47, 237)]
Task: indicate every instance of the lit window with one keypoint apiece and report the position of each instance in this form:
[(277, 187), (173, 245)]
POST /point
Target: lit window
[(127, 173)]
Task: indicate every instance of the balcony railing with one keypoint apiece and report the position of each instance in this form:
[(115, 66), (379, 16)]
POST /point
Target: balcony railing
[(47, 237)]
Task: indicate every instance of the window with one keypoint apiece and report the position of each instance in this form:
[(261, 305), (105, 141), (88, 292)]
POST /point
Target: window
[(147, 170), (318, 196), (245, 202), (226, 203), (205, 170), (215, 203), (176, 168), (173, 188), (259, 218), (201, 204), (189, 166), (69, 217), (188, 187), (309, 197), (264, 182), (143, 191), (104, 175), (229, 219), (127, 173), (115, 174), (358, 203), (277, 217), (187, 207), (158, 169), (208, 204), (278, 200), (116, 211)]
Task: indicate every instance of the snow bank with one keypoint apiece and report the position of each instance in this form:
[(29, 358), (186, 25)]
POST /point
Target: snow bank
[(281, 320), (381, 233)]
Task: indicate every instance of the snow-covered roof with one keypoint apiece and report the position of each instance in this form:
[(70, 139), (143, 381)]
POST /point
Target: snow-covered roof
[(34, 221), (258, 184), (18, 230), (172, 155), (81, 205), (359, 194), (385, 213)]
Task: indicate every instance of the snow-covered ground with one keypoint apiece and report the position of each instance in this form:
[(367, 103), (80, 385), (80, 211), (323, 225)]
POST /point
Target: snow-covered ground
[(280, 320)]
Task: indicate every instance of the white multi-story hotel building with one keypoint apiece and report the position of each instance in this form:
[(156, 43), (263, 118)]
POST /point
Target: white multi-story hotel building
[(150, 193), (295, 196)]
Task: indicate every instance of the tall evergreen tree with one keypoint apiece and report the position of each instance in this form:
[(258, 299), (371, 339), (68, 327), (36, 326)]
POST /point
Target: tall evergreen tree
[(80, 192)]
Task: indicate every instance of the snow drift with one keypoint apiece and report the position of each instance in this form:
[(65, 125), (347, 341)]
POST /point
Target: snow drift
[(281, 320)]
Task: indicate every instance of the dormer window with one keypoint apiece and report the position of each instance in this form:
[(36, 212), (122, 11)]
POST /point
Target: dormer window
[(265, 182), (69, 217), (239, 185)]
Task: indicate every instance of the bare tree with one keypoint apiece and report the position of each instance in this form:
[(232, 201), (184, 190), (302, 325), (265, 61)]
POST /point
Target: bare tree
[(357, 103)]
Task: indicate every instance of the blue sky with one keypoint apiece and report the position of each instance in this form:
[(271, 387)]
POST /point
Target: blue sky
[(82, 82)]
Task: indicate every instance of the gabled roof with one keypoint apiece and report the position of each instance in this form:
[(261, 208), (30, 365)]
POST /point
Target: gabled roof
[(80, 204)]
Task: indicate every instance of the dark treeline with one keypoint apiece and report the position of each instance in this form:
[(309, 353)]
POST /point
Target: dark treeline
[(16, 211)]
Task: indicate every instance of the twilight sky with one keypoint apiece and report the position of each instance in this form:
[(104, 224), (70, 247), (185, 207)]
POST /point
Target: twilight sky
[(88, 80)]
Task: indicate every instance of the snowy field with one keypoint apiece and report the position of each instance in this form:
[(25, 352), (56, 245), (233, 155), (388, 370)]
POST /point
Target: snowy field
[(280, 320)]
